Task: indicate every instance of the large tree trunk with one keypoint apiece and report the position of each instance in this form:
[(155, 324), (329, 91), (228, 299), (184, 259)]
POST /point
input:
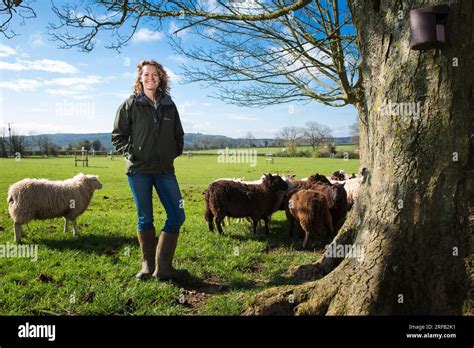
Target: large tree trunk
[(412, 218)]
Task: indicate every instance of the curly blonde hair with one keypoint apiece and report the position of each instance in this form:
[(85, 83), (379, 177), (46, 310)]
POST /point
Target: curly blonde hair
[(164, 78)]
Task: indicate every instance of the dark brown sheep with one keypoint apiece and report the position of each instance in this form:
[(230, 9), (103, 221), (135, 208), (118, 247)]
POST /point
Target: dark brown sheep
[(339, 175), (238, 200), (337, 200), (311, 210), (306, 183)]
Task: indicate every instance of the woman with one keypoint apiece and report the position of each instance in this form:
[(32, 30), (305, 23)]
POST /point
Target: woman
[(147, 129)]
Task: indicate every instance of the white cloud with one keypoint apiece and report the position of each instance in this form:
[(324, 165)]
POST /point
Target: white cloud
[(173, 77), (51, 128), (147, 35), (247, 7), (177, 58), (209, 5), (128, 75), (174, 27), (201, 127), (40, 65), (36, 40), (60, 86), (74, 81), (6, 51), (21, 85)]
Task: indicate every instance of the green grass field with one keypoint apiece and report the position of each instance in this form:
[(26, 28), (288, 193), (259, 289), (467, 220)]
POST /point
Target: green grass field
[(275, 150), (94, 274)]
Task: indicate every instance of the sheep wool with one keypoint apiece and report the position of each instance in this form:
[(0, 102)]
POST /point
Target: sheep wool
[(39, 199)]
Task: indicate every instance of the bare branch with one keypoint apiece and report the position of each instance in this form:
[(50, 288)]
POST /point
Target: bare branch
[(11, 10)]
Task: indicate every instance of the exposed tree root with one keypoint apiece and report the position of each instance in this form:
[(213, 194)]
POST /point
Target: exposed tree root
[(310, 298), (317, 270)]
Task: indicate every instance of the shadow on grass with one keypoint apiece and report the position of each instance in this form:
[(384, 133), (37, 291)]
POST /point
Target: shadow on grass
[(279, 235), (211, 287), (277, 240), (94, 244)]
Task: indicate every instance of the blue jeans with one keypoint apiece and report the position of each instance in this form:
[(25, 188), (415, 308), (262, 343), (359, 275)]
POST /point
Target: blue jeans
[(168, 191)]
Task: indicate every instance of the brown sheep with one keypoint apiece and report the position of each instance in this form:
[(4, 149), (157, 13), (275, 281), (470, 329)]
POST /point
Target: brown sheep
[(337, 200), (307, 182), (311, 210), (235, 199)]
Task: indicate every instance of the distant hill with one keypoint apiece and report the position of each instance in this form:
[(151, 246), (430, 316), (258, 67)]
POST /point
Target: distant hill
[(191, 140)]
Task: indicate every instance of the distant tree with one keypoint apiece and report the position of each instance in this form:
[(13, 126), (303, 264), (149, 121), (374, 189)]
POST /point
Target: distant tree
[(97, 145), (219, 143), (354, 128), (16, 143), (67, 147), (3, 144), (45, 145), (204, 144), (249, 139), (86, 144), (316, 134), (291, 135)]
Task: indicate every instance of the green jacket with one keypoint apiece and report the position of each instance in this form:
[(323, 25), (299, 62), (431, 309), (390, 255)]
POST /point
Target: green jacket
[(150, 139)]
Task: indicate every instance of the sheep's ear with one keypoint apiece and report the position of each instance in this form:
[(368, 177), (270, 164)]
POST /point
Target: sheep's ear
[(342, 185)]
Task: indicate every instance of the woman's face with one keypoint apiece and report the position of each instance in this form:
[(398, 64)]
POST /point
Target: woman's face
[(150, 78)]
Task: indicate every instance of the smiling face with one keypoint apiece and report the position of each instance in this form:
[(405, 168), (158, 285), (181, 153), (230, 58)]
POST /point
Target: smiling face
[(150, 78)]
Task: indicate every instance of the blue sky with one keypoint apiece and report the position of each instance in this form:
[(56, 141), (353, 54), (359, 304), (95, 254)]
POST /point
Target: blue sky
[(44, 89)]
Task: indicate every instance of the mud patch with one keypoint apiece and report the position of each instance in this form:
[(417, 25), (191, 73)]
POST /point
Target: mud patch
[(192, 299)]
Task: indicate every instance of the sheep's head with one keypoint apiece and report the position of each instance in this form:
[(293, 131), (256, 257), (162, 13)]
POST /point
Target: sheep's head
[(318, 178), (274, 182), (338, 192), (288, 178), (339, 175), (93, 180), (365, 174)]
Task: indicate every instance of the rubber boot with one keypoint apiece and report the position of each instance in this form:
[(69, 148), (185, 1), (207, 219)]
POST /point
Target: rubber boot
[(164, 258), (147, 239)]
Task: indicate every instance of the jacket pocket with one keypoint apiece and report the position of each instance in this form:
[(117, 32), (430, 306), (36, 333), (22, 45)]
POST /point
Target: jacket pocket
[(167, 157)]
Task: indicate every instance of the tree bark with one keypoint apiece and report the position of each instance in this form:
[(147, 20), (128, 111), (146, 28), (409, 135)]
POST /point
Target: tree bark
[(412, 217)]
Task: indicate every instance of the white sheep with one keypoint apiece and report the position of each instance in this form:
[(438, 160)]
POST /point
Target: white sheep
[(231, 179), (40, 199), (352, 186), (286, 178)]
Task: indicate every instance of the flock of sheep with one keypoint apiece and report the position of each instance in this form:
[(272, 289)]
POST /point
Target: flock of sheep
[(317, 203)]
